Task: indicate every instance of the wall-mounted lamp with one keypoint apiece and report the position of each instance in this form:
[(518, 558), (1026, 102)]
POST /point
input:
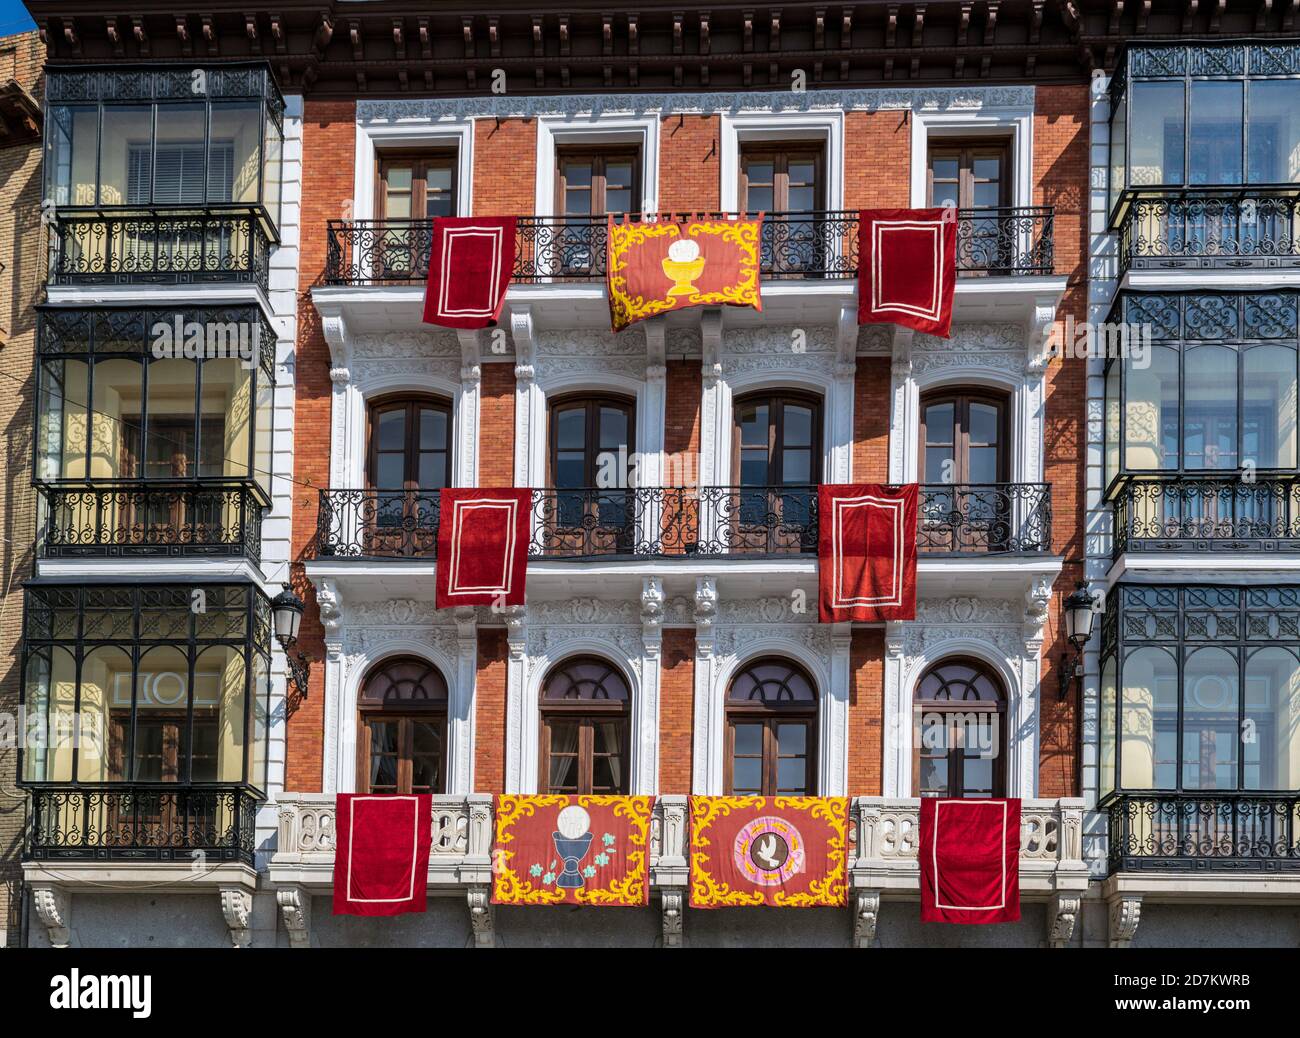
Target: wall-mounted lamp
[(1079, 616), (286, 616)]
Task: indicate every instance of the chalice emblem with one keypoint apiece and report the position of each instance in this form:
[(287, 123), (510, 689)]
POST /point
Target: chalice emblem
[(572, 840), (683, 264)]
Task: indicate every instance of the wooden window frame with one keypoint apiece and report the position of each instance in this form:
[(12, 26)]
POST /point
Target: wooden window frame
[(966, 151), (421, 159), (770, 716), (775, 433), (961, 399), (413, 402), (406, 714), (593, 402), (956, 766), (781, 155), (586, 713), (600, 156)]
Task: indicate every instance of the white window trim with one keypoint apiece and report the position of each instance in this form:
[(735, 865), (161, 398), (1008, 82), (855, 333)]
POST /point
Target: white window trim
[(372, 139), (989, 122), (748, 127), (554, 132)]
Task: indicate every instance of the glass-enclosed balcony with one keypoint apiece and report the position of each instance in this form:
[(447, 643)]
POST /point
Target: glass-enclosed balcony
[(154, 430), (1199, 723), (147, 712), (1205, 155), (1200, 421), (163, 175)]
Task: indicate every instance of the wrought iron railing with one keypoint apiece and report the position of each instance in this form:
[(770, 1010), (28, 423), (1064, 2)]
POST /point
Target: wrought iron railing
[(984, 519), (1011, 240), (153, 822), (220, 518), (1210, 227), (1207, 513), (173, 245), (684, 522), (1245, 831)]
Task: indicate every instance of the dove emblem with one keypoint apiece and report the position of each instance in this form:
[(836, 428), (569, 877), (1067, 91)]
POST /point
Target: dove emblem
[(769, 850), (765, 852)]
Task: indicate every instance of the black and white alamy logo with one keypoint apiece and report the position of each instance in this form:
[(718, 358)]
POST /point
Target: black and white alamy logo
[(72, 990)]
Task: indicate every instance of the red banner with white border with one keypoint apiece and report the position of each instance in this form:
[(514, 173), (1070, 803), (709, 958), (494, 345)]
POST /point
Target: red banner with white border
[(470, 262), (483, 546), (970, 860), (381, 853), (907, 268), (866, 552)]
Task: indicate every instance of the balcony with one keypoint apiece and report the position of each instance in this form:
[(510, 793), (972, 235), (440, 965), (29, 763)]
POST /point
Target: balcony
[(1008, 241), (680, 522), (142, 822), (1197, 831), (1254, 228), (171, 519), (1206, 513), (162, 245)]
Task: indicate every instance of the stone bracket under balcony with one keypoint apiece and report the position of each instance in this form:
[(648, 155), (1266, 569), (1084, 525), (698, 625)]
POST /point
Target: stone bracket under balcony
[(882, 860)]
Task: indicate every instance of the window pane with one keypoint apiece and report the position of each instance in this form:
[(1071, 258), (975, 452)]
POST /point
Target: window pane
[(792, 738), (939, 423), (976, 775), (125, 158), (934, 775), (433, 429), (432, 471), (62, 430), (178, 156), (945, 169), (1112, 420), (1211, 728), (753, 425), (613, 428), (1157, 134), (571, 428), (796, 466), (226, 407), (1118, 149), (1149, 705), (792, 775), (1273, 709), (798, 426), (984, 425), (1151, 422), (1274, 132), (390, 429), (1210, 414), (233, 152), (115, 424), (71, 143), (1216, 126), (749, 739), (1269, 391), (1106, 725), (272, 170), (747, 775)]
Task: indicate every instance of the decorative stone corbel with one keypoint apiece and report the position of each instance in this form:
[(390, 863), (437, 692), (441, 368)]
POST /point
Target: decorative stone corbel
[(706, 611), (470, 366), (329, 601), (901, 352), (517, 631), (1039, 345), (1038, 598), (334, 327), (521, 331), (1124, 915), (711, 345), (846, 342), (866, 912), (672, 901), (480, 916), (237, 908), (295, 910), (1062, 915), (54, 909), (652, 614), (656, 364)]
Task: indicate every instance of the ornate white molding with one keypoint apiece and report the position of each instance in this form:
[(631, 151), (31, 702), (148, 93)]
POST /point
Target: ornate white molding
[(1062, 917), (1125, 913), (295, 911), (866, 914), (481, 917), (54, 909), (672, 904), (508, 106), (237, 910)]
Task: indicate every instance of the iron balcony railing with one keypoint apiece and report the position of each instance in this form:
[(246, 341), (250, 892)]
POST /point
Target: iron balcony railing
[(1010, 240), (684, 522), (1193, 831), (1185, 513), (199, 517), (167, 245), (1178, 228), (142, 822)]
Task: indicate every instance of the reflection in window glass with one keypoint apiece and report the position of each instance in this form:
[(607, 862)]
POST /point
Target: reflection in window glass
[(1269, 403), (1273, 134), (1210, 413), (1149, 721), (1272, 760), (1157, 134), (1211, 725), (1215, 134), (1151, 412)]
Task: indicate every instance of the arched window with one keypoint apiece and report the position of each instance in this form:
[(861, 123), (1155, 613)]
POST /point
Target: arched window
[(591, 441), (771, 730), (403, 722), (960, 716), (585, 728), (408, 463), (776, 464), (965, 448)]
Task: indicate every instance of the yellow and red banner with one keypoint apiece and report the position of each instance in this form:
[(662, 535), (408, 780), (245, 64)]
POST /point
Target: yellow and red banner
[(665, 263), (786, 852), (575, 850)]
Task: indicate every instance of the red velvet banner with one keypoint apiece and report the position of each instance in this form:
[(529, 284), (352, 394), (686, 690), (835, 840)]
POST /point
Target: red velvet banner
[(483, 546), (866, 552), (907, 268), (970, 861), (786, 852), (381, 853), (576, 850), (470, 262)]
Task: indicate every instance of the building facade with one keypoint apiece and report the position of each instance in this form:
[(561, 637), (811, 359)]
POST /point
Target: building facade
[(272, 178)]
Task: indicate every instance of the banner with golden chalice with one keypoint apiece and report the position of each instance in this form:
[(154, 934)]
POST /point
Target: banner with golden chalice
[(658, 264)]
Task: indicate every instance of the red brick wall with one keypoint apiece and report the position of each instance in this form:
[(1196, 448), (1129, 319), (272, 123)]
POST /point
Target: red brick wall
[(1061, 180), (689, 153), (328, 130), (866, 710), (683, 390), (877, 160), (871, 384), (676, 710), (505, 167), (496, 432), (490, 712)]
